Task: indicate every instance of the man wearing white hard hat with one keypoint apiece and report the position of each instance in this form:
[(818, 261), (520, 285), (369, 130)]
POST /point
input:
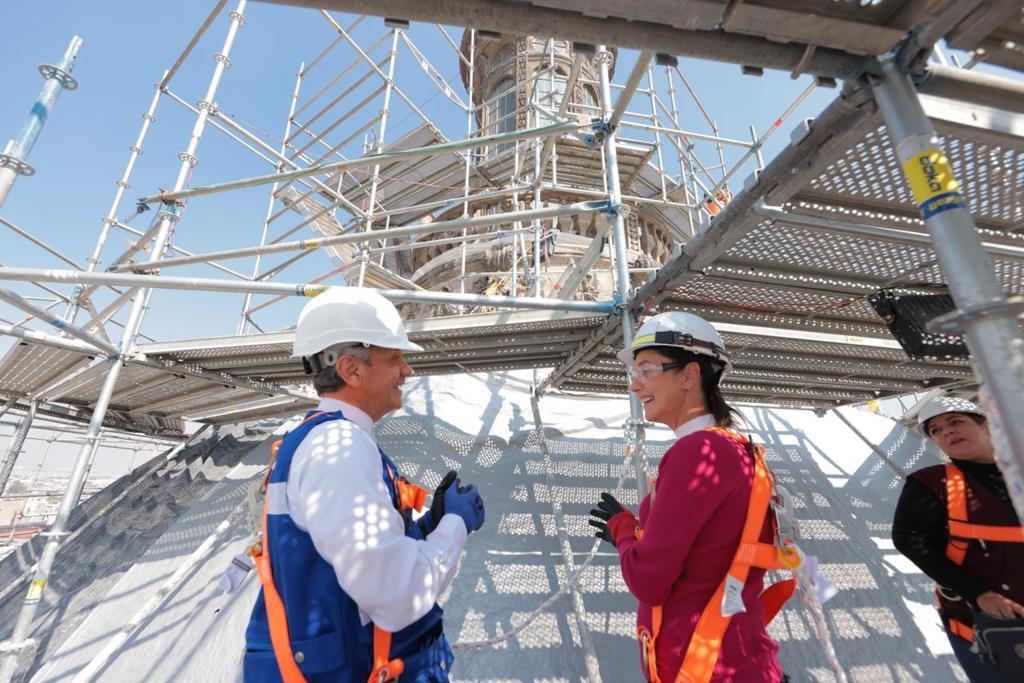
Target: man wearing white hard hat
[(957, 524), (350, 579)]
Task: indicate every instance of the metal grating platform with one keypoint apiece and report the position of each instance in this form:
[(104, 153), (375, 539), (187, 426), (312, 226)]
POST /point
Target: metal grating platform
[(29, 367), (454, 344), (991, 176), (797, 276)]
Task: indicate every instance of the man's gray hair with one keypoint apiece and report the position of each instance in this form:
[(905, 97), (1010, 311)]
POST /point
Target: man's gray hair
[(328, 380)]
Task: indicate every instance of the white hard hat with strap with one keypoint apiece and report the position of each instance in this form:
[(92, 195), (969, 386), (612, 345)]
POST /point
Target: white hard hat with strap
[(345, 316), (680, 330)]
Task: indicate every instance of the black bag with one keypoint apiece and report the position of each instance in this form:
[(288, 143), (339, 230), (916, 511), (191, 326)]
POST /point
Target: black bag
[(1001, 644)]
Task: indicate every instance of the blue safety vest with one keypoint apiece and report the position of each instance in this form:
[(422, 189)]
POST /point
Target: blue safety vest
[(328, 639)]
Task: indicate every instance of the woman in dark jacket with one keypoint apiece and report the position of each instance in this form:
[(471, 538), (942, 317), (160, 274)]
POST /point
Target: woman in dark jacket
[(985, 574)]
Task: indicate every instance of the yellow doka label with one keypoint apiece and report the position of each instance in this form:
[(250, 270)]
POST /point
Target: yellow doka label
[(35, 589), (930, 175)]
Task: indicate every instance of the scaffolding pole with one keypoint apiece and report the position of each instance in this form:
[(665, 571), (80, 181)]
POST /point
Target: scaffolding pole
[(657, 134), (389, 84), (563, 107), (758, 143), (988, 324), (58, 78), (16, 444), (635, 424), (50, 340), (338, 166), (19, 641), (16, 300), (148, 118), (244, 322), (297, 289), (223, 122), (469, 156), (363, 237), (632, 83)]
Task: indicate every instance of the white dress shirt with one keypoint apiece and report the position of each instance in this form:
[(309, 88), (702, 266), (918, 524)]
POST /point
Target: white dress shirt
[(336, 494), (692, 425)]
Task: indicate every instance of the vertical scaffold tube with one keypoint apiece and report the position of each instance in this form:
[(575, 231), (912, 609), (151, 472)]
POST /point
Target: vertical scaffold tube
[(58, 530), (635, 428), (58, 78), (389, 85), (994, 339)]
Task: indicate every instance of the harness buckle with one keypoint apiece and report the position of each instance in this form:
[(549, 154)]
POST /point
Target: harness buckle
[(791, 556), (388, 672), (950, 596)]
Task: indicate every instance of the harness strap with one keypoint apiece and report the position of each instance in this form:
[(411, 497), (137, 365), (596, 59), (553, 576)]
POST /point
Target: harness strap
[(960, 529), (385, 669), (706, 644), (959, 628), (277, 618), (956, 509), (410, 497), (987, 532)]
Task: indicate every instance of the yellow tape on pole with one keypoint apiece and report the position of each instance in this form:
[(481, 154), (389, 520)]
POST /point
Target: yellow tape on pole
[(313, 290), (35, 590), (932, 182)]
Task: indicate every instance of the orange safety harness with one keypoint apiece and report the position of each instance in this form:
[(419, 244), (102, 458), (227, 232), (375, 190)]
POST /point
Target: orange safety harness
[(960, 528), (706, 643), (385, 670)]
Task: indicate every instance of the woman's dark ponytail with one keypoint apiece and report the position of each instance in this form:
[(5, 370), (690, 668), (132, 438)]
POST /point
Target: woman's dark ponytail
[(710, 373)]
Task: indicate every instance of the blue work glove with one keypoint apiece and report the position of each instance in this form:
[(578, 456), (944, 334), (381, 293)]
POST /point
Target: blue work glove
[(465, 501)]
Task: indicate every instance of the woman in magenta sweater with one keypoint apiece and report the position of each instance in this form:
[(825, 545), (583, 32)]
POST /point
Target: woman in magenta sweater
[(675, 558)]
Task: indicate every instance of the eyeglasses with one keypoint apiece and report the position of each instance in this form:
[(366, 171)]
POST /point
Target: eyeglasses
[(646, 370)]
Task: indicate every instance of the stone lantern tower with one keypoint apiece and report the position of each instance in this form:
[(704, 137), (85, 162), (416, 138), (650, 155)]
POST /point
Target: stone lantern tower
[(517, 83)]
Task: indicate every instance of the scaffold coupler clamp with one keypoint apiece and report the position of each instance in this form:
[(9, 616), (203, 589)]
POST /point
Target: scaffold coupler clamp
[(67, 81), (955, 322), (634, 436), (618, 304), (19, 166), (612, 209), (602, 128), (9, 648)]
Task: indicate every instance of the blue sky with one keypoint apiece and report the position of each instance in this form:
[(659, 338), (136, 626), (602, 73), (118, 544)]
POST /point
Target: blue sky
[(127, 45)]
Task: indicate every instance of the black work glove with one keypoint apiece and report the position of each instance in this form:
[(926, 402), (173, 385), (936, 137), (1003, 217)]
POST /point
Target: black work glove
[(607, 508), (437, 504)]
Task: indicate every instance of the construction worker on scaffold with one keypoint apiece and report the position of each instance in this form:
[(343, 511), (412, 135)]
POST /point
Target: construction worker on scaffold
[(712, 523), (956, 522), (350, 578)]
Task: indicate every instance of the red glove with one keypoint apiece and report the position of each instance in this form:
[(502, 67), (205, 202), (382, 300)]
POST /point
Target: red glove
[(622, 525)]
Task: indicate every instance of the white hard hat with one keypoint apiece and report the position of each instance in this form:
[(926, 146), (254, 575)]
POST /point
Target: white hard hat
[(940, 405), (349, 315), (680, 330)]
